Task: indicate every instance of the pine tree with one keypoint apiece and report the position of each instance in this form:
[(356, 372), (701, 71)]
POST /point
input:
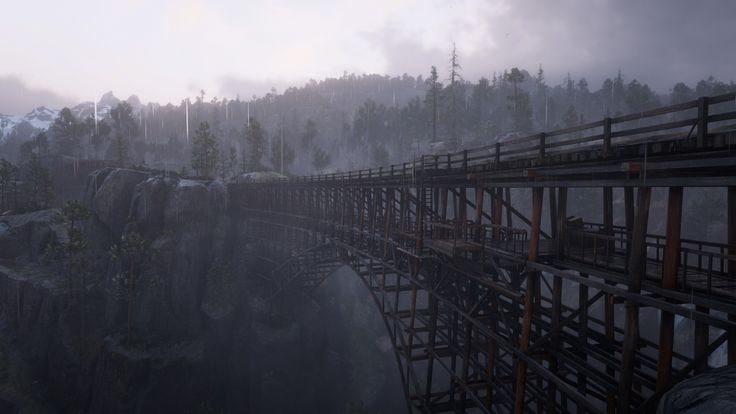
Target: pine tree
[(121, 150), (320, 159), (39, 186), (205, 151), (8, 184), (228, 163), (570, 118), (256, 140), (455, 79), (309, 134), (521, 109), (281, 157), (432, 99), (72, 252), (66, 132), (134, 255), (123, 122)]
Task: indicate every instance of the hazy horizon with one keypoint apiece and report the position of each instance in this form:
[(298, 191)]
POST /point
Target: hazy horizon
[(165, 51)]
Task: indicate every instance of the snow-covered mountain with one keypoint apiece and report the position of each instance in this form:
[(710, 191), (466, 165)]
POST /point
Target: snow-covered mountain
[(42, 117), (38, 118)]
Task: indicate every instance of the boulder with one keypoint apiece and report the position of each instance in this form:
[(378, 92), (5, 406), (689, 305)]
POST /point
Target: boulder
[(149, 202), (28, 234), (94, 181), (187, 202), (712, 392), (112, 199)]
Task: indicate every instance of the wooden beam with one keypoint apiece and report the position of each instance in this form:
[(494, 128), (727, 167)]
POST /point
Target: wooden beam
[(637, 263), (608, 210), (532, 282), (731, 225), (669, 281), (561, 221)]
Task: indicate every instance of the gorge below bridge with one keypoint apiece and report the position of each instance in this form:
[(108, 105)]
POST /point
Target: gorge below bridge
[(494, 297)]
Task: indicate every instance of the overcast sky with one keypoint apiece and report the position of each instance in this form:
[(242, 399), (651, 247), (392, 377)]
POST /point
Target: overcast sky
[(57, 52)]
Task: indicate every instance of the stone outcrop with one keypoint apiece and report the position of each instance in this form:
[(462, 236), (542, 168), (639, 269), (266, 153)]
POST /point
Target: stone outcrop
[(206, 336)]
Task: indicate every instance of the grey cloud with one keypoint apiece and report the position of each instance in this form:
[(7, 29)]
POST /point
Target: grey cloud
[(659, 42), (246, 88), (16, 98)]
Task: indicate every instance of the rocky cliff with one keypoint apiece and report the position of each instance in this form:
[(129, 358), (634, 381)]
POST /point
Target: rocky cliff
[(204, 337)]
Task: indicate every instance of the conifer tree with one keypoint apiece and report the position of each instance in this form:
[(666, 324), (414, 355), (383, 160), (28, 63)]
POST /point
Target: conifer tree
[(8, 184), (432, 99), (205, 152), (121, 150), (455, 80), (72, 252), (320, 159), (309, 134), (39, 186), (135, 257), (256, 140), (66, 132)]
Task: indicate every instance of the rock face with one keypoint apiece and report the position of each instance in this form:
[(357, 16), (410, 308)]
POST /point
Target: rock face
[(113, 195), (712, 392), (27, 234), (205, 336)]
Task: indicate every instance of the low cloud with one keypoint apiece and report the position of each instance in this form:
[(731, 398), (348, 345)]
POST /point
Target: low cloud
[(17, 98), (232, 86)]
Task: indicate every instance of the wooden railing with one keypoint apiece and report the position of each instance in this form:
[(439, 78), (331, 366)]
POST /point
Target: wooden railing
[(694, 119), (697, 258)]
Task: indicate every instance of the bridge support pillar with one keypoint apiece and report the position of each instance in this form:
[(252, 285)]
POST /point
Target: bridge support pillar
[(731, 225), (637, 263), (532, 282), (608, 210), (669, 281)]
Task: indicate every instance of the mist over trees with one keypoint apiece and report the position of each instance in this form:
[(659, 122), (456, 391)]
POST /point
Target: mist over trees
[(352, 121)]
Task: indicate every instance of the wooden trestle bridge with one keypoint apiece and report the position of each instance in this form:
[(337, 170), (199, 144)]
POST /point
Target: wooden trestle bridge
[(496, 301)]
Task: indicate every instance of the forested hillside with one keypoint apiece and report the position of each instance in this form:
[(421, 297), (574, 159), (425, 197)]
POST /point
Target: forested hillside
[(340, 123)]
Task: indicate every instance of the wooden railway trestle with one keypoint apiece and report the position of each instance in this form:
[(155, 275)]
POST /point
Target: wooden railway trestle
[(526, 316)]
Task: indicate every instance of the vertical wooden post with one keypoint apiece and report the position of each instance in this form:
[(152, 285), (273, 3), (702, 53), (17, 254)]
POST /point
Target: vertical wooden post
[(554, 338), (443, 203), (509, 221), (462, 205), (532, 281), (608, 210), (606, 137), (467, 341), (387, 219), (583, 336), (629, 215), (497, 212), (610, 315), (702, 121), (553, 212), (731, 236), (637, 263), (702, 333), (542, 146), (669, 281), (479, 196), (561, 221), (433, 303)]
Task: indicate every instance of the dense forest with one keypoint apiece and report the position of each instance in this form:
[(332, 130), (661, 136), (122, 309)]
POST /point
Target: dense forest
[(349, 122)]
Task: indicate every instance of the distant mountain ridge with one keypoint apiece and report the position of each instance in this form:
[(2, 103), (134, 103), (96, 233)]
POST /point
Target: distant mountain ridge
[(42, 117)]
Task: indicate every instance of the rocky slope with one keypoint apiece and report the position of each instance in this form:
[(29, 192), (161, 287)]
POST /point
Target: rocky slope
[(205, 339)]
